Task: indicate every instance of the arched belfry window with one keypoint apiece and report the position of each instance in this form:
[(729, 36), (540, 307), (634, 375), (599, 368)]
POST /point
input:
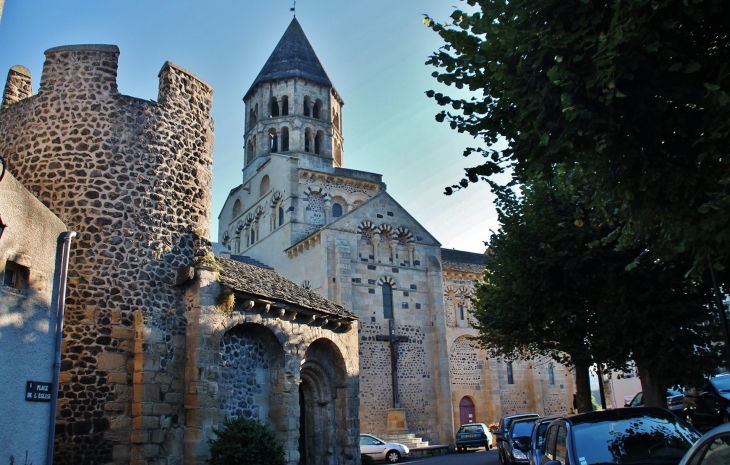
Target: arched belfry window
[(461, 312), (336, 210), (307, 139), (284, 105), (274, 107), (284, 139), (273, 141), (281, 216), (387, 301), (307, 106), (317, 109), (510, 374), (318, 142)]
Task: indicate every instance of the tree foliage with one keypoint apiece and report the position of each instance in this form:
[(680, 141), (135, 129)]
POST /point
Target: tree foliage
[(554, 286), (245, 441), (633, 93)]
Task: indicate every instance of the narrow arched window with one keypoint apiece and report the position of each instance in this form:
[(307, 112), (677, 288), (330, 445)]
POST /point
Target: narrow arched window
[(249, 152), (281, 216), (236, 208), (336, 210), (387, 301), (284, 105), (317, 109), (551, 373), (253, 236), (273, 141), (307, 138), (284, 139), (274, 107), (306, 106), (461, 312), (510, 375)]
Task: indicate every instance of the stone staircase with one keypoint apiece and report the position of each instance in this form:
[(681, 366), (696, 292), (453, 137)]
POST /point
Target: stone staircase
[(409, 439)]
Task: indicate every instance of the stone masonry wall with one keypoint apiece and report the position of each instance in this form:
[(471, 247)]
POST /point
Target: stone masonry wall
[(133, 178)]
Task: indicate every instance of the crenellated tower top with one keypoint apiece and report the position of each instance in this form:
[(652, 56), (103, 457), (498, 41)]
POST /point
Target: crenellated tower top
[(292, 107)]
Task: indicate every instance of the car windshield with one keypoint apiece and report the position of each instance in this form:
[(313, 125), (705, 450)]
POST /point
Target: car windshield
[(647, 438), (721, 384), (470, 429), (521, 428), (508, 421)]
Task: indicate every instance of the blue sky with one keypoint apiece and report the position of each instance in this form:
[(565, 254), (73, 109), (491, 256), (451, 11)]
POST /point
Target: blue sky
[(373, 50)]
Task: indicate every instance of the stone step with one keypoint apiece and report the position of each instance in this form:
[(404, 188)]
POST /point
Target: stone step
[(409, 440)]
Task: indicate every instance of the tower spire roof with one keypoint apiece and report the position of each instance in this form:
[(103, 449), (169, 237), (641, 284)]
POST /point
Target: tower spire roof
[(292, 57)]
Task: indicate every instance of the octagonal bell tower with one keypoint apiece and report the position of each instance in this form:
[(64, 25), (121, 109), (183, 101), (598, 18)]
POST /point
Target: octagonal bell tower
[(292, 107)]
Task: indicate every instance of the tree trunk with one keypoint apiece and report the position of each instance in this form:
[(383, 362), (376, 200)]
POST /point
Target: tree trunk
[(655, 391), (583, 387)]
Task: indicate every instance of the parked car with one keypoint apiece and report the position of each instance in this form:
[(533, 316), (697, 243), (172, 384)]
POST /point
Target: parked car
[(628, 435), (473, 435), (675, 400), (381, 450), (503, 428), (537, 438), (712, 449), (517, 445), (709, 405)]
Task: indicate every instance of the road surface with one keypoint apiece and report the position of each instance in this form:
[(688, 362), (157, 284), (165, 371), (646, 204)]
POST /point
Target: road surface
[(480, 457)]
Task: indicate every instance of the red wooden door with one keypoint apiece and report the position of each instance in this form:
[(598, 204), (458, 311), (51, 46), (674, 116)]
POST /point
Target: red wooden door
[(467, 413)]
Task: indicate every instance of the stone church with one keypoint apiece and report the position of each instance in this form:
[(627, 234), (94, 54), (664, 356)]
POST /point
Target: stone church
[(338, 232), (335, 313)]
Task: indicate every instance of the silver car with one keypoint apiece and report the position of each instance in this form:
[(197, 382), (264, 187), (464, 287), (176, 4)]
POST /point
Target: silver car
[(381, 450)]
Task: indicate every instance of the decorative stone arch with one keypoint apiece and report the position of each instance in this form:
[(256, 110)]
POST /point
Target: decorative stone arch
[(366, 225), (450, 303), (323, 398), (264, 185), (388, 243), (467, 410), (369, 238), (314, 201), (244, 350), (226, 238), (387, 279), (306, 284), (405, 236), (466, 364)]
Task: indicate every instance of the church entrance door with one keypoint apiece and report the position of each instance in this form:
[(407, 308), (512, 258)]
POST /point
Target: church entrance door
[(322, 392), (467, 412)]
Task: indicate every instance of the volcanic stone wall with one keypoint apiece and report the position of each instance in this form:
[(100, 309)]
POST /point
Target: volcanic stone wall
[(133, 178)]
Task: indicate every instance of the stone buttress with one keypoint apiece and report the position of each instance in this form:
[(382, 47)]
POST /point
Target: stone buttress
[(133, 178)]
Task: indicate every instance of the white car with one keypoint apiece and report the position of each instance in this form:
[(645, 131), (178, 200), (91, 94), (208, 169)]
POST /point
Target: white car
[(381, 450)]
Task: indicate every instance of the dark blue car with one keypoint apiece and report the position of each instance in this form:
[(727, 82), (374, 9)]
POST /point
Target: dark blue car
[(641, 435)]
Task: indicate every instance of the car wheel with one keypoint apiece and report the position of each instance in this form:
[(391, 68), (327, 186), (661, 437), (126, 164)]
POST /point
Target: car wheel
[(458, 450), (392, 456)]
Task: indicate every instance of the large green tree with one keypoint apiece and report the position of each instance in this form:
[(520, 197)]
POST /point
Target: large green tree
[(635, 93), (554, 287)]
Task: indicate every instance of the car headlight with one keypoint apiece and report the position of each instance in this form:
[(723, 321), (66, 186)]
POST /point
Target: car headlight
[(519, 454), (405, 448)]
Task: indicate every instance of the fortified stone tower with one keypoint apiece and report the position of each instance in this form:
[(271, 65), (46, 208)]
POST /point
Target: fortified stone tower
[(133, 178), (292, 106)]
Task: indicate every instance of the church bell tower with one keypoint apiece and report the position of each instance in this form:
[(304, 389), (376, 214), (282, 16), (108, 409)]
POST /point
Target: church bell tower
[(292, 107)]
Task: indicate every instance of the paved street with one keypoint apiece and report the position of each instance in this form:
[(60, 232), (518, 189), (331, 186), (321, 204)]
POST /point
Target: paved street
[(481, 457)]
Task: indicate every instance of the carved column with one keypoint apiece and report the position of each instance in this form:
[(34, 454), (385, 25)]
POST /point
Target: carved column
[(375, 240), (393, 244)]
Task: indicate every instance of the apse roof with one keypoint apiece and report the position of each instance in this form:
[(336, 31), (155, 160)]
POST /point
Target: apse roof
[(292, 57), (460, 260)]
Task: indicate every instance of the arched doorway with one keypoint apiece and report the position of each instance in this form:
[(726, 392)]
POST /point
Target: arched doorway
[(322, 393), (467, 411)]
